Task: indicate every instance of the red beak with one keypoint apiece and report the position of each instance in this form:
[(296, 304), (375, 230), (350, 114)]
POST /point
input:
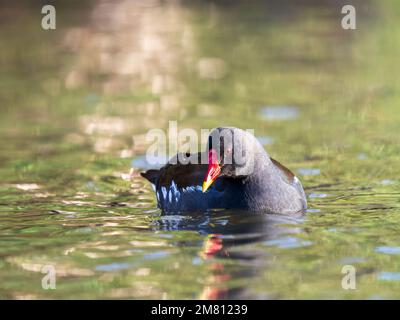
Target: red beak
[(213, 171)]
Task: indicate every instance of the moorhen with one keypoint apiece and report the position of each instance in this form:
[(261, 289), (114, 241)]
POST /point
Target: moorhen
[(236, 173)]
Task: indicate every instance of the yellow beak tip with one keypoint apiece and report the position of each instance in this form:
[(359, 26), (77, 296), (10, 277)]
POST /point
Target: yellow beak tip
[(206, 185)]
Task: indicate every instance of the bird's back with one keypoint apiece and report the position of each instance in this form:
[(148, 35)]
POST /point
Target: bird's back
[(178, 187)]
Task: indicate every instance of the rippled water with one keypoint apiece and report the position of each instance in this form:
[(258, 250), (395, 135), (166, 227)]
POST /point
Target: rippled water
[(77, 102)]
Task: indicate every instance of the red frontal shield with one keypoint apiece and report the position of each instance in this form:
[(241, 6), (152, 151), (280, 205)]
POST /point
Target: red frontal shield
[(213, 171)]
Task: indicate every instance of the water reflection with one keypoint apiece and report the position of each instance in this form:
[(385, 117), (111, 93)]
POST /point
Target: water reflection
[(389, 276), (76, 105), (228, 234), (280, 113)]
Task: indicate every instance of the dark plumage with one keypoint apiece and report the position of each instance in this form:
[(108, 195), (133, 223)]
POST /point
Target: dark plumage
[(239, 174)]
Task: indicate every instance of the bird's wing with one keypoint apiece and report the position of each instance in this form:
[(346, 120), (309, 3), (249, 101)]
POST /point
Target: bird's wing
[(151, 175), (183, 175), (284, 172), (290, 178)]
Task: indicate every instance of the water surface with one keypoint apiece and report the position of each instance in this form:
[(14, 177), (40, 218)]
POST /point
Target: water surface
[(77, 102)]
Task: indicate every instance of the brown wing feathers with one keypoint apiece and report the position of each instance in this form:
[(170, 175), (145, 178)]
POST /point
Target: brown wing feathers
[(287, 174)]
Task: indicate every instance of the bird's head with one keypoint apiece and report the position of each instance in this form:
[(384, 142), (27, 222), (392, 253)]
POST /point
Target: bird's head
[(231, 152)]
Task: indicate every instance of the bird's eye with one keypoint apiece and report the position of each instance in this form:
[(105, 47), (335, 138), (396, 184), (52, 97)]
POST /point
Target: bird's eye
[(228, 156)]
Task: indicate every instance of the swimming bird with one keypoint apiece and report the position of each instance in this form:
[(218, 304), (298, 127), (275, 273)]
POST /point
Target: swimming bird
[(235, 172)]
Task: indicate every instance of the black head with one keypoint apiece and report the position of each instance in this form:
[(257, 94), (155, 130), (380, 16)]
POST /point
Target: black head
[(232, 152)]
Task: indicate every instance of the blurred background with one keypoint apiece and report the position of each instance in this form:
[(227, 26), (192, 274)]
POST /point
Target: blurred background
[(76, 103)]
